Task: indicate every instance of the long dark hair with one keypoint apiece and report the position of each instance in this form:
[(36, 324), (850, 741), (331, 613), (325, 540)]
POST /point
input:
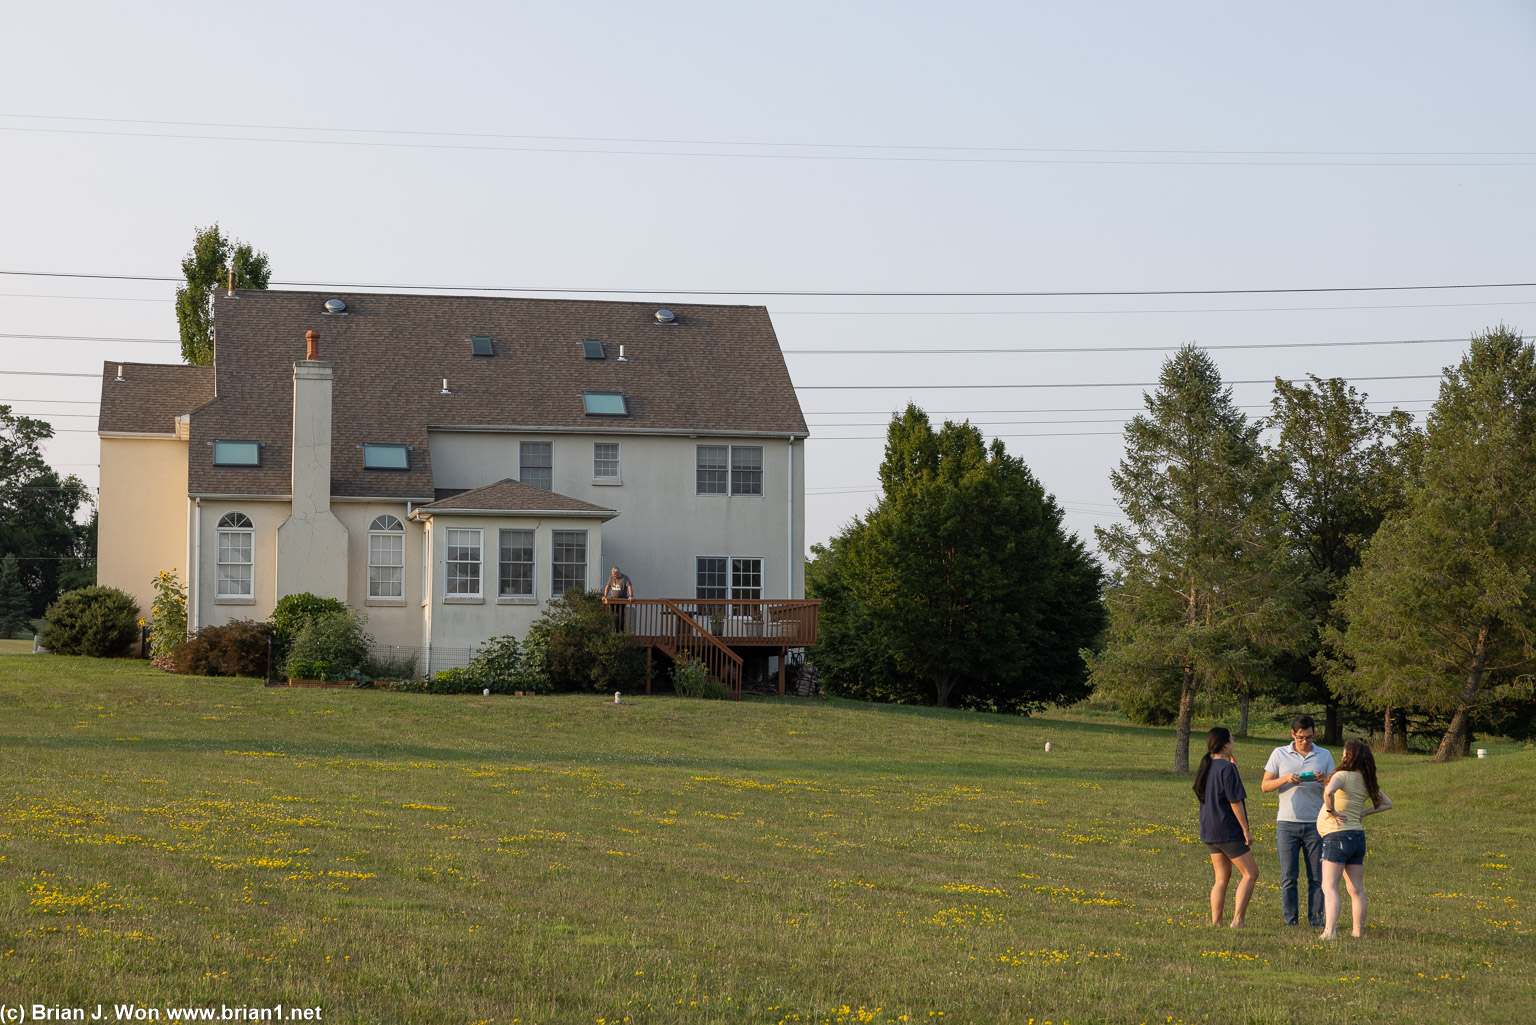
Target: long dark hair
[(1358, 758), (1218, 738)]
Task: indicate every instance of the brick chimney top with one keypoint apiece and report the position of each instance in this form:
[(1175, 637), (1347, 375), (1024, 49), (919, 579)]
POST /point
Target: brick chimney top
[(313, 340)]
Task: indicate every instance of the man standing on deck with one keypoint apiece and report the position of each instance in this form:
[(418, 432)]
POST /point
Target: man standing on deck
[(619, 591), (1299, 771)]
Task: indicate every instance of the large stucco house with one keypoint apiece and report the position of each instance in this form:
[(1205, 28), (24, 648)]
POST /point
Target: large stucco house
[(447, 463)]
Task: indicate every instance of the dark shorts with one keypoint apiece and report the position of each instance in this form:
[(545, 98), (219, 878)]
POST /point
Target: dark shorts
[(1346, 847), (1235, 849)]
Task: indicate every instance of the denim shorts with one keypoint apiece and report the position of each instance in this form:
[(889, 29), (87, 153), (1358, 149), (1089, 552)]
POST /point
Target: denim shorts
[(1346, 847)]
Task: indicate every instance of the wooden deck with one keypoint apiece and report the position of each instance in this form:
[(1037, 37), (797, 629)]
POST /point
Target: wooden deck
[(718, 631)]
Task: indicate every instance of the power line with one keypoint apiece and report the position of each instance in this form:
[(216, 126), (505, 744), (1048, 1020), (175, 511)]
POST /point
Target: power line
[(741, 142), (1112, 348), (1207, 159), (1062, 313), (1081, 293), (114, 298), (1076, 384), (92, 338), (46, 373)]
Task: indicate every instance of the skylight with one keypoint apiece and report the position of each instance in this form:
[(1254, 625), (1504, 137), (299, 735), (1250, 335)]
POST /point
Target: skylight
[(236, 453), (593, 349), (480, 345), (605, 403), (386, 457)]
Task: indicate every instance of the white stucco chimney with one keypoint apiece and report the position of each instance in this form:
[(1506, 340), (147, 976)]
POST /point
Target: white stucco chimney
[(312, 543)]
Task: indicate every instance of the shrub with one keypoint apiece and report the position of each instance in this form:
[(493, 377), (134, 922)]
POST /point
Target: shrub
[(291, 612), (533, 672), (690, 678), (583, 652), (239, 648), (390, 667), (331, 644), (168, 615), (97, 621), (497, 665)]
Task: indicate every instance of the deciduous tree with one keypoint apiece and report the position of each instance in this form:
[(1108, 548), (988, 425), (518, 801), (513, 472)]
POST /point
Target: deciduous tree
[(38, 511), (1442, 611), (961, 587), (1201, 600), (205, 268)]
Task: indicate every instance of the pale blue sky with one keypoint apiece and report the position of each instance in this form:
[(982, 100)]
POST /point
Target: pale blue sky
[(1029, 166)]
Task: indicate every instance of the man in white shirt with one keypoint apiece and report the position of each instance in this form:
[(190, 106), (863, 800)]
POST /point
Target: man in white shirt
[(1299, 771)]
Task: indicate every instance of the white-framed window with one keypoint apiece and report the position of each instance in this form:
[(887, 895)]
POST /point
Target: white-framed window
[(746, 469), (725, 576), (386, 558), (729, 469), (605, 460), (536, 464), (461, 563), (515, 578), (567, 561), (714, 466), (237, 542)]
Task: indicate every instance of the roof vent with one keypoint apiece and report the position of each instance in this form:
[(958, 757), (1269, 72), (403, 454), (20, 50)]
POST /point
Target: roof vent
[(335, 308), (666, 317), (120, 376)]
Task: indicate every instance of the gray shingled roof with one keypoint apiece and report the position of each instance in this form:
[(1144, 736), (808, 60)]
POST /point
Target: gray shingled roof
[(511, 496), (151, 396), (719, 370)]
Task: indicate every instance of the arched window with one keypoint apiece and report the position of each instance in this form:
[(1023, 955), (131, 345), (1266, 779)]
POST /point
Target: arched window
[(386, 558), (237, 538)]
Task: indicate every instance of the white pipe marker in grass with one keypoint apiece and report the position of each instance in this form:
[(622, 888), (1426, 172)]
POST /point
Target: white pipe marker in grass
[(1047, 745), (616, 700), (1482, 752), (487, 692)]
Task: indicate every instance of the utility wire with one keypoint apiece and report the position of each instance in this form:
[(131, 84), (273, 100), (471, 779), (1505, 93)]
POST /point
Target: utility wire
[(928, 386), (742, 142), (1023, 350), (1133, 160), (802, 292), (1112, 348)]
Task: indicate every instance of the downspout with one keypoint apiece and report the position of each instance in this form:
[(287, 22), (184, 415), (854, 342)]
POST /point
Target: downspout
[(194, 572), (789, 527)]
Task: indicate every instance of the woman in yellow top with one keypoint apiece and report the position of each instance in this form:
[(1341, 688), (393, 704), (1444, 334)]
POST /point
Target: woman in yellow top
[(1351, 794)]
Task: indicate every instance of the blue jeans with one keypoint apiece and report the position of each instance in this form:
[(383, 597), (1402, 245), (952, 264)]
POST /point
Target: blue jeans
[(1291, 839)]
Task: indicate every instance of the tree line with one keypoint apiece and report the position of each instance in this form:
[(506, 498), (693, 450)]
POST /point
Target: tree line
[(1353, 561)]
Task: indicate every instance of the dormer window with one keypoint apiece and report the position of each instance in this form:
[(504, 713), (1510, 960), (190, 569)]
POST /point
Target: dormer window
[(386, 457), (481, 345), (591, 348), (237, 453), (605, 403)]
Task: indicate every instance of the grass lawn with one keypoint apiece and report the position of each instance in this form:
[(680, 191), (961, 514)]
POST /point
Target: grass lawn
[(173, 842)]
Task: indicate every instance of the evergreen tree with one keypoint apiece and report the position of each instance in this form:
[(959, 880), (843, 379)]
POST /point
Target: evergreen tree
[(1201, 601), (961, 587), (1345, 468), (1442, 611), (15, 609), (206, 268)]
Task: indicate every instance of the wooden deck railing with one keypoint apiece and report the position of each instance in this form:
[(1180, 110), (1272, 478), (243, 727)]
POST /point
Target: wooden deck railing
[(711, 629)]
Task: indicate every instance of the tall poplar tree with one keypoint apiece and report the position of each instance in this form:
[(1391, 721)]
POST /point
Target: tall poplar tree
[(1442, 611), (1201, 600), (1345, 468), (206, 268)]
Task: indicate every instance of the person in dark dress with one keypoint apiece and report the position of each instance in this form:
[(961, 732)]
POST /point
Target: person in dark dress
[(1224, 824)]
